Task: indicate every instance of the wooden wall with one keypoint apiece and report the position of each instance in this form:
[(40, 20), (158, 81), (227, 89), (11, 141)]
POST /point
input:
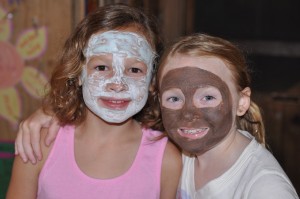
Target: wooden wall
[(282, 121), (58, 17)]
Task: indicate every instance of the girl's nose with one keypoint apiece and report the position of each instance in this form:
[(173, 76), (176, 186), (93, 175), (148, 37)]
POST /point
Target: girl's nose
[(116, 87), (190, 112), (189, 116)]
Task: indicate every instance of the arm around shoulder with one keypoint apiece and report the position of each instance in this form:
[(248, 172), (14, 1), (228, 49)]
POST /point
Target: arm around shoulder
[(28, 140), (171, 171)]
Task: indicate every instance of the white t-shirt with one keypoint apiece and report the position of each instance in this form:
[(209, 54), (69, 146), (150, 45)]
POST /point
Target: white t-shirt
[(255, 175)]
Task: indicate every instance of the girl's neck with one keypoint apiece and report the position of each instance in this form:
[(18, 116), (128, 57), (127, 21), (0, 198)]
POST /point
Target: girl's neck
[(213, 163), (103, 150), (96, 128)]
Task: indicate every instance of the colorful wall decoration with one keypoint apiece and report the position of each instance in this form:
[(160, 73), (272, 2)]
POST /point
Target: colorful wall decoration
[(31, 36), (14, 69)]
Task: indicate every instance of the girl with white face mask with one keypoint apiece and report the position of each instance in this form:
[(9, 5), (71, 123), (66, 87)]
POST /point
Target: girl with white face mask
[(100, 84), (117, 74)]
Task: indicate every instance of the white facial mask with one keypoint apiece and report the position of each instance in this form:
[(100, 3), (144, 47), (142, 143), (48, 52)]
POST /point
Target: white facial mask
[(119, 45)]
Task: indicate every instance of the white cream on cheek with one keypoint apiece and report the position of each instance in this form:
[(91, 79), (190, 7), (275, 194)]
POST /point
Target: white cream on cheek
[(120, 45)]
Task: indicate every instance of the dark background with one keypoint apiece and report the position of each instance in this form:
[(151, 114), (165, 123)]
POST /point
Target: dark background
[(267, 21)]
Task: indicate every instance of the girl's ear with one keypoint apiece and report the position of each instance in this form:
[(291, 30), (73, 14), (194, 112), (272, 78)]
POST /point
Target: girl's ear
[(159, 100), (79, 81), (244, 101)]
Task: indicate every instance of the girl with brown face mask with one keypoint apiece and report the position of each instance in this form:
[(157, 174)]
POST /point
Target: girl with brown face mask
[(204, 92)]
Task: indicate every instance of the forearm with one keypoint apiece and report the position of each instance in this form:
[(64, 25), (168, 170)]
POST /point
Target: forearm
[(24, 180)]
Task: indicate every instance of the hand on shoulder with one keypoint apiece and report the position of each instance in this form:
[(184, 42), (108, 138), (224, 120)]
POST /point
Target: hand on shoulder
[(27, 143)]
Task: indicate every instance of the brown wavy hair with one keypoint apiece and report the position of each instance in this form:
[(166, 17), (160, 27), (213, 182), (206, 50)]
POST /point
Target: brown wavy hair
[(206, 45), (65, 98)]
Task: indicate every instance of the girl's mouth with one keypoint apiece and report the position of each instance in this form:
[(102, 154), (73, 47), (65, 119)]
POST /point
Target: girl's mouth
[(114, 104), (193, 133)]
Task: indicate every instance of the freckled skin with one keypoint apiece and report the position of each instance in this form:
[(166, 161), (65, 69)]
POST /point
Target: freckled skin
[(219, 119)]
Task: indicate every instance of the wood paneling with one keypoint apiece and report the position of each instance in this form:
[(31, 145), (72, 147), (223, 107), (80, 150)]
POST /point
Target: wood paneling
[(59, 16), (281, 112)]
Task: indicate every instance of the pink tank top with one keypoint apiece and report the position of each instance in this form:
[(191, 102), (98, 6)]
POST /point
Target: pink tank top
[(61, 178)]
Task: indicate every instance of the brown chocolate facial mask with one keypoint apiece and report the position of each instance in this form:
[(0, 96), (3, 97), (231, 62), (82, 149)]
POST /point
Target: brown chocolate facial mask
[(195, 129)]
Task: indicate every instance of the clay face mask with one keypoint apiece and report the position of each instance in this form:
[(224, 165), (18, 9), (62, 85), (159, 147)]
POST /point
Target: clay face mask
[(117, 74), (196, 108)]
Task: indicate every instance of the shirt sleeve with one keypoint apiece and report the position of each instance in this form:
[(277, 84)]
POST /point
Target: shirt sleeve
[(272, 186)]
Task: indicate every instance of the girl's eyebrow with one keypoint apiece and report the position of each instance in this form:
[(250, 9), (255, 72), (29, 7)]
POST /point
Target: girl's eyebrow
[(102, 58)]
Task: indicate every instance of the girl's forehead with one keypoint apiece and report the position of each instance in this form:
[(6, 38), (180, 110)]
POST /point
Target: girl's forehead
[(136, 30), (125, 44), (209, 63)]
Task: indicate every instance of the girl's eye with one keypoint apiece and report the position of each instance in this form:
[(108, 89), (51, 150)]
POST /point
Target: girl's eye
[(101, 68), (135, 70), (173, 99), (208, 98)]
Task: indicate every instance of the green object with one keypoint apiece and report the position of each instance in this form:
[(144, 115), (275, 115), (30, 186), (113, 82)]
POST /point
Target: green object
[(6, 162)]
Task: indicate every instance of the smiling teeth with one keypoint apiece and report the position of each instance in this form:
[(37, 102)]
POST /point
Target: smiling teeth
[(193, 131), (117, 102)]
